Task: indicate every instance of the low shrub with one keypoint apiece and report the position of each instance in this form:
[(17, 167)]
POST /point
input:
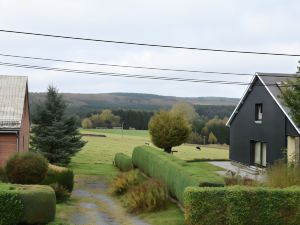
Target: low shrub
[(238, 180), (26, 168), (151, 195), (61, 193), (123, 162), (232, 179), (242, 205), (123, 181), (176, 173), (39, 203), (282, 175), (11, 205), (60, 175)]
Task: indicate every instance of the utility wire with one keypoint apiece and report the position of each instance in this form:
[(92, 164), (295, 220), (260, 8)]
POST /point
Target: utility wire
[(101, 73), (141, 67), (149, 45), (124, 75), (125, 66)]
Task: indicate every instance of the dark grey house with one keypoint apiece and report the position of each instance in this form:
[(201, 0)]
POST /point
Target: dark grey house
[(261, 127)]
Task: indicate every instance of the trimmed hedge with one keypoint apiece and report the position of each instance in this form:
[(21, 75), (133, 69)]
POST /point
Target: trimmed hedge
[(29, 204), (39, 203), (175, 172), (123, 162), (11, 205), (240, 205), (60, 175)]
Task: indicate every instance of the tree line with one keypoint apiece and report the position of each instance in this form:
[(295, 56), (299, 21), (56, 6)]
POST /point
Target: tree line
[(203, 130)]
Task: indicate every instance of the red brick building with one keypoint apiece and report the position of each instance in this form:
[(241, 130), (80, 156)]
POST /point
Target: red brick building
[(14, 116)]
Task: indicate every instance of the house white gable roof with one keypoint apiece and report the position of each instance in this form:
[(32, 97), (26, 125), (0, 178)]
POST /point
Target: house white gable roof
[(12, 99), (271, 82)]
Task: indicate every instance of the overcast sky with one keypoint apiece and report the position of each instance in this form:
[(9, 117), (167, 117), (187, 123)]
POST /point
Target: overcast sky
[(255, 25)]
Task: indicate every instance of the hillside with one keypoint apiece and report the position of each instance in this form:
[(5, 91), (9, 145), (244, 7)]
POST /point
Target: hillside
[(84, 103)]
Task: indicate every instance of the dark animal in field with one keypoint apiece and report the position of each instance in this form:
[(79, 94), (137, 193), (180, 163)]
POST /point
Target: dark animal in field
[(146, 143), (198, 147)]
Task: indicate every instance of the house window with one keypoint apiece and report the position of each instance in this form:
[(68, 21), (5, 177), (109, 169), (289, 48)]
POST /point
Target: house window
[(259, 151), (258, 112)]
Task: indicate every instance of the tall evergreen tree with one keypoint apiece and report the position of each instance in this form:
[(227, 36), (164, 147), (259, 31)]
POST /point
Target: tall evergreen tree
[(53, 134)]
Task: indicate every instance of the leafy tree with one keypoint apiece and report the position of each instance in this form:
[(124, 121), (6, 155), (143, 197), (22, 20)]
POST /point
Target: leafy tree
[(204, 131), (219, 129), (86, 123), (195, 138), (108, 118), (54, 135), (168, 129), (185, 109), (105, 119), (198, 125), (212, 138), (291, 98)]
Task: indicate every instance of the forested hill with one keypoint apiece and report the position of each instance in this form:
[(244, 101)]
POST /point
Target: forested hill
[(81, 104)]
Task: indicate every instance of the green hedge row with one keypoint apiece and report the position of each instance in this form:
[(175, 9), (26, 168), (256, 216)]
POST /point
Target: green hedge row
[(59, 175), (29, 204), (123, 162), (241, 205), (39, 203), (173, 171), (11, 205)]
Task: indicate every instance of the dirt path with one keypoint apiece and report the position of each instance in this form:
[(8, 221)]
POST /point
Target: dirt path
[(91, 204)]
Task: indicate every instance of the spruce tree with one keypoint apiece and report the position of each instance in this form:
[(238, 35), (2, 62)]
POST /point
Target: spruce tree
[(53, 133)]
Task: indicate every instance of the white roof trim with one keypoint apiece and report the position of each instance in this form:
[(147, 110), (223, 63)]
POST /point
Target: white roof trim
[(240, 102), (245, 94), (285, 113)]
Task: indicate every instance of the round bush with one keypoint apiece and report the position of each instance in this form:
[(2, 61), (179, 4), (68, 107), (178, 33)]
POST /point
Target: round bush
[(26, 168)]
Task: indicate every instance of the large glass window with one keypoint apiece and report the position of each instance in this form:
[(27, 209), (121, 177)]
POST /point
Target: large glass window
[(259, 153)]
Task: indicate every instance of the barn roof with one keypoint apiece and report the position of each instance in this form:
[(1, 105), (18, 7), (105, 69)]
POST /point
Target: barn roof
[(12, 99), (273, 82)]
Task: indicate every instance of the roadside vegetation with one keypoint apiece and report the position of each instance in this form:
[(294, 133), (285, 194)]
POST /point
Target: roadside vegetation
[(30, 191), (95, 162)]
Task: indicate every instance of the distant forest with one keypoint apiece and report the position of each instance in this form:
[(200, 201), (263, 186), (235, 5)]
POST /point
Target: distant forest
[(135, 110), (139, 119)]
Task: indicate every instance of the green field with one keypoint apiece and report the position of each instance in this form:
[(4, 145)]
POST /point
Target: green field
[(96, 158), (136, 133)]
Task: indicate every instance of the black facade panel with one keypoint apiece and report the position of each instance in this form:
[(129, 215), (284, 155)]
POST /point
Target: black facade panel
[(244, 129), (290, 129)]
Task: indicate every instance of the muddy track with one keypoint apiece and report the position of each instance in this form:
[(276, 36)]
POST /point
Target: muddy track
[(91, 204)]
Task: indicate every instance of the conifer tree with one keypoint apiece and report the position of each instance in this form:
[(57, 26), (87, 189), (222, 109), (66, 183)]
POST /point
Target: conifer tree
[(53, 134)]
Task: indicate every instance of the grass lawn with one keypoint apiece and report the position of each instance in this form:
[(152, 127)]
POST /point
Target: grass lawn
[(97, 156), (135, 133)]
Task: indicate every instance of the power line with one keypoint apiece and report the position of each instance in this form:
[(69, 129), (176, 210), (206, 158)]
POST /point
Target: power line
[(150, 45), (140, 67), (125, 66), (102, 73), (124, 75)]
